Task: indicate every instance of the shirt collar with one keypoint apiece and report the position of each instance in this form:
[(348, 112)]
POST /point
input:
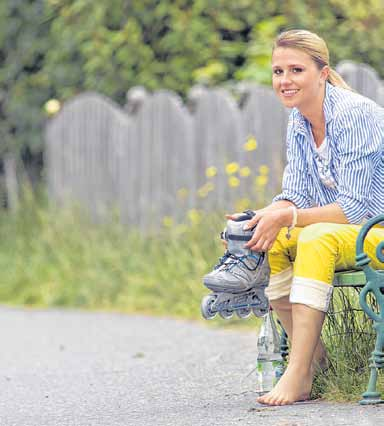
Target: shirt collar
[(300, 122)]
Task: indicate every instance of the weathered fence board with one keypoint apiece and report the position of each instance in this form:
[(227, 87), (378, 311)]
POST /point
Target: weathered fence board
[(362, 78), (164, 158), (265, 119), (218, 138), (80, 156)]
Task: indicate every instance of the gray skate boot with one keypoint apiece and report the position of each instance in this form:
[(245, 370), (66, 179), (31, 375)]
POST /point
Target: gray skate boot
[(239, 280)]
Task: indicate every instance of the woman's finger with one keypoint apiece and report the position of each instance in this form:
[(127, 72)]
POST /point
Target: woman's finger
[(233, 216), (265, 246), (252, 223)]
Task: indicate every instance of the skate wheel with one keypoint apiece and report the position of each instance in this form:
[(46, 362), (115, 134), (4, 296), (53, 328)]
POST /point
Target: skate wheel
[(259, 312), (205, 307), (226, 314), (243, 313)]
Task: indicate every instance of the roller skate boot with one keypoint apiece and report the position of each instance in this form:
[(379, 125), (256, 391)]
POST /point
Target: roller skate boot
[(239, 280)]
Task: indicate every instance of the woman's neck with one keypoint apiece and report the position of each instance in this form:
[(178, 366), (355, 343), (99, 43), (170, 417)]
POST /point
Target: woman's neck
[(314, 113)]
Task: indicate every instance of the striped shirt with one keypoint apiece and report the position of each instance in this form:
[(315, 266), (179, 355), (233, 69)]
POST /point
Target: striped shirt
[(355, 133)]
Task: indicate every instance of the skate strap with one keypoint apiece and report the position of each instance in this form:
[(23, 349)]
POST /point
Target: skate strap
[(235, 237), (246, 215)]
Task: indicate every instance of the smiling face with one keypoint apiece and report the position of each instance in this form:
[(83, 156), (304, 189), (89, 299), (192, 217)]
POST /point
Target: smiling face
[(297, 79)]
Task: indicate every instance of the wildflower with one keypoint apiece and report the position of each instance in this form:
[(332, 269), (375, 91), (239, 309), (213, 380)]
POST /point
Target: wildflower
[(242, 204), (194, 216), (168, 221), (261, 180), (231, 168), (263, 169), (245, 171), (233, 181), (52, 107), (251, 144), (211, 171), (202, 192)]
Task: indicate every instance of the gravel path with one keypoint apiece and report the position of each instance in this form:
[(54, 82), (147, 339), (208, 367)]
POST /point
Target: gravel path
[(78, 368)]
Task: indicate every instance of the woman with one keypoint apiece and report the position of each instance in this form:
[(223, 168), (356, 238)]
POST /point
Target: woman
[(332, 183)]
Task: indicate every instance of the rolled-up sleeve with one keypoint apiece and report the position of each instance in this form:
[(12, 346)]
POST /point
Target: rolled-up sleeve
[(359, 145)]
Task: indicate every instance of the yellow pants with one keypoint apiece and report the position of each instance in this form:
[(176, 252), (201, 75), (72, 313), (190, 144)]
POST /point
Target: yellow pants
[(303, 266)]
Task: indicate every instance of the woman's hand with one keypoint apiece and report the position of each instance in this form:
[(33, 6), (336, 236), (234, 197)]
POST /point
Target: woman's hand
[(269, 223)]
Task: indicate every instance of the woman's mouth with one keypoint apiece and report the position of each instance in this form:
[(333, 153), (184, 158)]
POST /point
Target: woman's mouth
[(288, 93)]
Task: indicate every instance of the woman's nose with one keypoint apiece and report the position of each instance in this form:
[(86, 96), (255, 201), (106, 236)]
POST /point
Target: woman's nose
[(285, 79)]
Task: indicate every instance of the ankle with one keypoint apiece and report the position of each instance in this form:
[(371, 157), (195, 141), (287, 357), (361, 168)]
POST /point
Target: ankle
[(299, 370)]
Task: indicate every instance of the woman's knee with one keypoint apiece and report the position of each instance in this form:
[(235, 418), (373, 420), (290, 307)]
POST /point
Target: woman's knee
[(281, 304)]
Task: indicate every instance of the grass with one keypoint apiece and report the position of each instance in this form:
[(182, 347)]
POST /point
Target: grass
[(55, 257)]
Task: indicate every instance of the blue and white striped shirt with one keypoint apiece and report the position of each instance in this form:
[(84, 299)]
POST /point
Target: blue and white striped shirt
[(355, 132)]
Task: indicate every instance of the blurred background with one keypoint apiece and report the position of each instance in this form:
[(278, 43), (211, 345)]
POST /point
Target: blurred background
[(129, 127)]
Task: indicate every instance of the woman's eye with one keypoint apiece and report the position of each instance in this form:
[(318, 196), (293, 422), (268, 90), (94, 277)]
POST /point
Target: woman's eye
[(297, 69), (277, 71)]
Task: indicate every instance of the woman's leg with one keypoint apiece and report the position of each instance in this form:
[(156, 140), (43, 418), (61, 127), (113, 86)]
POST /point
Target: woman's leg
[(296, 382), (283, 309), (321, 249)]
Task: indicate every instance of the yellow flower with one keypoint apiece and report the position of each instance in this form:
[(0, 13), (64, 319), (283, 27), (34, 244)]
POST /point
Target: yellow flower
[(209, 186), (261, 180), (52, 107), (231, 168), (182, 193), (168, 221), (242, 204), (233, 181), (202, 192), (263, 169), (211, 171), (245, 171), (194, 216), (251, 144)]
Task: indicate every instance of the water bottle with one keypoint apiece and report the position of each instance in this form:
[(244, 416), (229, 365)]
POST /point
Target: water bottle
[(269, 360)]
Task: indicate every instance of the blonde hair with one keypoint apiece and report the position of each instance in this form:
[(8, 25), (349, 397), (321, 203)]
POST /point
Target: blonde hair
[(315, 47)]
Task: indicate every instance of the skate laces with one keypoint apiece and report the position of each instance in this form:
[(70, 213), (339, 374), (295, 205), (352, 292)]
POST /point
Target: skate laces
[(229, 260)]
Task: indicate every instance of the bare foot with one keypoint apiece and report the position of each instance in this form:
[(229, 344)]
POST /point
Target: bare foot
[(295, 385), (320, 365)]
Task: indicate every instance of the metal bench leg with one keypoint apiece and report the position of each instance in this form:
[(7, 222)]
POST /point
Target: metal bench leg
[(284, 344), (371, 396)]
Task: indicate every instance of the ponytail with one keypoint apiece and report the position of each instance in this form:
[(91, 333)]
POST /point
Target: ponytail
[(337, 80)]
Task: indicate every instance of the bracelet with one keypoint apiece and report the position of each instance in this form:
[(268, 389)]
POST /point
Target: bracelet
[(294, 222)]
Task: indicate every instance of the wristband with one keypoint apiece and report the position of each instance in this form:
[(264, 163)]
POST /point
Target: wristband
[(294, 222)]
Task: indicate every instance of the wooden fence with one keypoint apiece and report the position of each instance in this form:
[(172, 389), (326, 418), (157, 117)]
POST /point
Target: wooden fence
[(157, 158)]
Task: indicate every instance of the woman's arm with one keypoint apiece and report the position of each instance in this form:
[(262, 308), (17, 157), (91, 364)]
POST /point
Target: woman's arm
[(270, 222)]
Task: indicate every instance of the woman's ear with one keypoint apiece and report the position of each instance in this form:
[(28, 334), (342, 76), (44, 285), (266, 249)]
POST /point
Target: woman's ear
[(324, 73)]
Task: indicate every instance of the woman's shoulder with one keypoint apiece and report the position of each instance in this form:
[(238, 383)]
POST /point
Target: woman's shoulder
[(343, 102)]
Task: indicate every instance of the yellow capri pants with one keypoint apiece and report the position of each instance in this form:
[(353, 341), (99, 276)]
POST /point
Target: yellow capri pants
[(303, 267)]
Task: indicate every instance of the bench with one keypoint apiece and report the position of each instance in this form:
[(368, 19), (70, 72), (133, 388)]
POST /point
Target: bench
[(371, 285)]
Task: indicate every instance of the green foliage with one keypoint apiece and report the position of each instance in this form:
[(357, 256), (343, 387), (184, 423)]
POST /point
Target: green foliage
[(58, 48), (23, 87), (349, 338), (53, 257)]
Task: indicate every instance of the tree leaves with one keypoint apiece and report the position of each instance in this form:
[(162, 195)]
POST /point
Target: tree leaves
[(56, 48)]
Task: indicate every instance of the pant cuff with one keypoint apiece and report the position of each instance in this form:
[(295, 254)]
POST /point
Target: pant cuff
[(313, 293), (279, 284)]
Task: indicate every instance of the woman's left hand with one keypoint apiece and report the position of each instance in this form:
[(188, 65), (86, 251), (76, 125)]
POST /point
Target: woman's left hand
[(269, 224)]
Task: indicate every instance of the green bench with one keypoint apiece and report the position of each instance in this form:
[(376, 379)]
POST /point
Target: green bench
[(371, 284)]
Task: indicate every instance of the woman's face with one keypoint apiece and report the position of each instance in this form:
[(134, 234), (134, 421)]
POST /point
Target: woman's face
[(296, 78)]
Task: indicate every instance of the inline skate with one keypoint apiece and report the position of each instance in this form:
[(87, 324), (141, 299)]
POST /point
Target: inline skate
[(239, 280)]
